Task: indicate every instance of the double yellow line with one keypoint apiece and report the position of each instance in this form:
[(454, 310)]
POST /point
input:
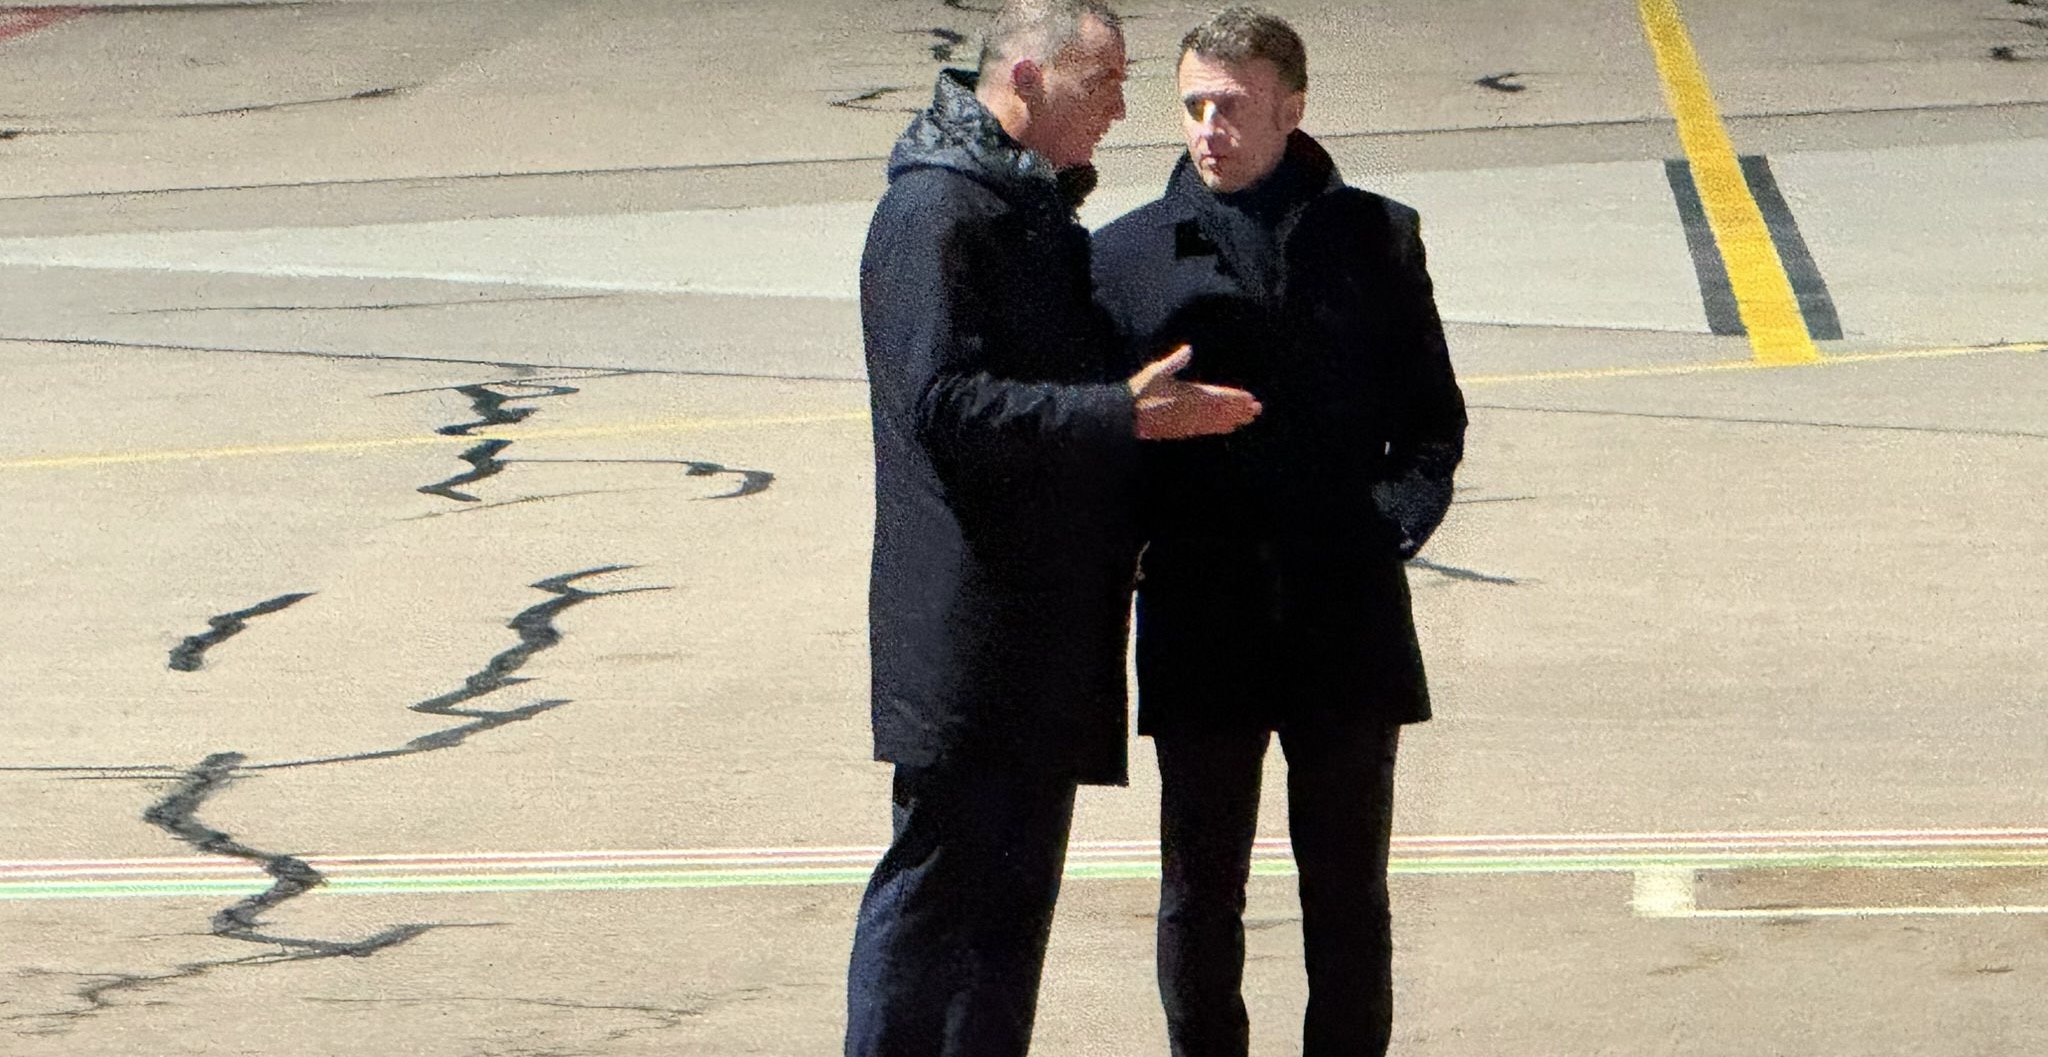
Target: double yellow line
[(1763, 292)]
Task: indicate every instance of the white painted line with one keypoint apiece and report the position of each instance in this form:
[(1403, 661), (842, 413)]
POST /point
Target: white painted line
[(1663, 893), (1861, 912)]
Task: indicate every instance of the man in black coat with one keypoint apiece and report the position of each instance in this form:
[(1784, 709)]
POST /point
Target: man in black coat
[(1006, 455), (1273, 595)]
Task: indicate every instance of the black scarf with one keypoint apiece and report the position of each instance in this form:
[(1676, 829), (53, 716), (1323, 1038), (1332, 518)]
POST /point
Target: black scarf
[(1248, 228)]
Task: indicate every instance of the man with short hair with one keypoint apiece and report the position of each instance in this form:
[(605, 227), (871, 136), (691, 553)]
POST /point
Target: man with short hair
[(1273, 596), (1005, 548)]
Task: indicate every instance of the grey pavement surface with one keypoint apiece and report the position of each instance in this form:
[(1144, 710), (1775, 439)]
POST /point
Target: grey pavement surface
[(254, 256)]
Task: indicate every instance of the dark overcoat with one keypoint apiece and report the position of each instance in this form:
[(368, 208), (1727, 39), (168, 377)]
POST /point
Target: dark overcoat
[(1005, 461), (1273, 586)]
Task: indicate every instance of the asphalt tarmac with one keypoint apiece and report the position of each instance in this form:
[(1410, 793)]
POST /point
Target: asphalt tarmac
[(435, 469)]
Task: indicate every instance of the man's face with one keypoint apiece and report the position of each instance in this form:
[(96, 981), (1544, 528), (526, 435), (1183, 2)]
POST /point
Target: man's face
[(1082, 95), (1236, 117)]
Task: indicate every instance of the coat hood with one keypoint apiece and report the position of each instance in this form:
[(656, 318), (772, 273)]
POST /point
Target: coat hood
[(958, 133)]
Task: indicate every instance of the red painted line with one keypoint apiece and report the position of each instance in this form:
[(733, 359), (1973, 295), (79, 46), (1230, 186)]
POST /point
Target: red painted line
[(1412, 847), (22, 21)]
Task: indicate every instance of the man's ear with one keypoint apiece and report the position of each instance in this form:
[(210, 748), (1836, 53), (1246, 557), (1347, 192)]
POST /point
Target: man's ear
[(1027, 78)]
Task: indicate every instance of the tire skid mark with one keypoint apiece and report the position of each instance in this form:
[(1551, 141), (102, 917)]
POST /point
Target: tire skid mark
[(190, 654)]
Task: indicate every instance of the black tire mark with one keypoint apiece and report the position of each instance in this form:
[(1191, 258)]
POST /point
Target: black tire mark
[(190, 654), (1501, 82)]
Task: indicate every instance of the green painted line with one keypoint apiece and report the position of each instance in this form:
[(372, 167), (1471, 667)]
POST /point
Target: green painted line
[(628, 880)]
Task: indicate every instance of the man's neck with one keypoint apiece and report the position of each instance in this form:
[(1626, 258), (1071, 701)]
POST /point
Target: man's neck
[(1008, 109)]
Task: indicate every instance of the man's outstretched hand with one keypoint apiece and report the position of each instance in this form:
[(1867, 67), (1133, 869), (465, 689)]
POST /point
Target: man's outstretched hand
[(1171, 409)]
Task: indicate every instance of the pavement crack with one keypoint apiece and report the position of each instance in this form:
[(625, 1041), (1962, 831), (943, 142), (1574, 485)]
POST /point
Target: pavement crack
[(178, 815), (190, 654), (390, 306), (751, 482), (374, 357), (1738, 420), (489, 404), (257, 108), (861, 99), (491, 408), (662, 1018), (944, 41), (483, 464), (521, 501), (536, 629), (1468, 575)]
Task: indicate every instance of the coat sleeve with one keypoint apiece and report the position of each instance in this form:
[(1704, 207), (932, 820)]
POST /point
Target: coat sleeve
[(932, 296), (1429, 436)]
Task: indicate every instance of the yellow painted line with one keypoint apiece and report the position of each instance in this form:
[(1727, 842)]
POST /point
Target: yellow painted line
[(1763, 292), (685, 425), (1722, 366), (316, 447)]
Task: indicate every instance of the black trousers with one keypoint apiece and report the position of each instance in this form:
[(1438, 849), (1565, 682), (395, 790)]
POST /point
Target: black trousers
[(950, 943), (1340, 809)]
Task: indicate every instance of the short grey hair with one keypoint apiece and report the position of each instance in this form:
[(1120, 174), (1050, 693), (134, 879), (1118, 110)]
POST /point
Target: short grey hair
[(1040, 29), (1239, 34)]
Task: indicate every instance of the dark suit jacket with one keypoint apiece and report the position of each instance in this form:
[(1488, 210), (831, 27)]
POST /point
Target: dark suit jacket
[(1273, 586), (1005, 462)]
